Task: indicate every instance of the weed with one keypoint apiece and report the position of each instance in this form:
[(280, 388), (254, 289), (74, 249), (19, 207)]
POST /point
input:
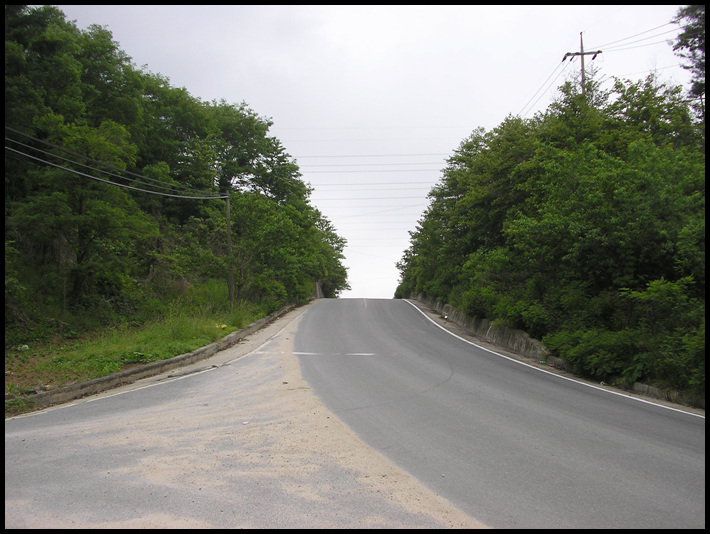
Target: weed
[(103, 352)]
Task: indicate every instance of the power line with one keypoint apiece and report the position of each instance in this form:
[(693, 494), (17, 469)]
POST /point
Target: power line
[(350, 140), (366, 198), (389, 225), (373, 156), (363, 241), (581, 55), (618, 47), (374, 183), (110, 182), (388, 210), (541, 87), (399, 191), (606, 45), (160, 184), (526, 108), (638, 46), (363, 164), (163, 185), (373, 171)]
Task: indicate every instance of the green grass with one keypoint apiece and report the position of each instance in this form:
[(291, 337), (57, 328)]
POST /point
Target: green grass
[(50, 365)]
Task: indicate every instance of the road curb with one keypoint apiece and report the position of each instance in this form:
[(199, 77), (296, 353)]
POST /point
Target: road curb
[(97, 385), (520, 343)]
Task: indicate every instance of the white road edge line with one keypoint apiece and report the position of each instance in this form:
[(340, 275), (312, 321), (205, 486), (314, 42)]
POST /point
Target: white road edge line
[(548, 372)]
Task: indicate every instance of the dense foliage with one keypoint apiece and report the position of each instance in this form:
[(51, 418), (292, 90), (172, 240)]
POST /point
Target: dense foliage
[(585, 227), (690, 44), (116, 188)]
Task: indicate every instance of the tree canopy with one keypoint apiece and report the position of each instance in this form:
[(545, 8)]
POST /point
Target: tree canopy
[(690, 44), (585, 227), (116, 186)]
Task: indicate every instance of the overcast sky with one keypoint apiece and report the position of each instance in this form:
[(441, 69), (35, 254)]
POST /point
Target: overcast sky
[(371, 100)]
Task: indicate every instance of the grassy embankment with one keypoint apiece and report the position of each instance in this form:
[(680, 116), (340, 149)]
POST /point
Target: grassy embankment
[(54, 361)]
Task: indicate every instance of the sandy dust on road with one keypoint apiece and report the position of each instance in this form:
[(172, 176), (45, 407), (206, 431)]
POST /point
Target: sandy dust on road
[(268, 442)]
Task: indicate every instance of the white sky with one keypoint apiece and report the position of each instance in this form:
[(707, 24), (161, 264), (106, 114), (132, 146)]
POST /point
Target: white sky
[(371, 100)]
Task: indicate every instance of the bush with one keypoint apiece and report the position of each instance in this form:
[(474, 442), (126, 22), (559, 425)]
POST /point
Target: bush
[(600, 353)]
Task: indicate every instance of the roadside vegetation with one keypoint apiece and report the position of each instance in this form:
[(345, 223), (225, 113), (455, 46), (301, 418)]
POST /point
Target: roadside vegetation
[(184, 325), (142, 222), (583, 226), (138, 217)]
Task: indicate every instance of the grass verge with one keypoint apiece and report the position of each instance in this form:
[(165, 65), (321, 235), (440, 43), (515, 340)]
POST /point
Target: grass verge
[(32, 368)]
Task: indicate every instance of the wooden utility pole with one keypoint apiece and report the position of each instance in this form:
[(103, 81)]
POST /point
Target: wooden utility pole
[(230, 273), (581, 54)]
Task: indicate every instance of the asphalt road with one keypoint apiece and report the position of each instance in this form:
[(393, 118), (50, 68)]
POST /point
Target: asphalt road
[(509, 444), (423, 430), (235, 441)]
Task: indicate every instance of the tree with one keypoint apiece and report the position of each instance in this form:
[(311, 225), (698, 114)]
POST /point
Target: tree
[(578, 227), (646, 109), (330, 271), (76, 228), (690, 44), (76, 108), (247, 158)]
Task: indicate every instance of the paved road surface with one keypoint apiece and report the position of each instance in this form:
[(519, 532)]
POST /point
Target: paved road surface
[(509, 444), (457, 436), (236, 441)]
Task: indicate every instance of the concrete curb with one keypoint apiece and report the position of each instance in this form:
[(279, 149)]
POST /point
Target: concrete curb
[(516, 341), (521, 343), (97, 385)]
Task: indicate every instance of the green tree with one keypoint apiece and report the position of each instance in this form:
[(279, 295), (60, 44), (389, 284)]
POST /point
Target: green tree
[(649, 110), (111, 184), (42, 70), (328, 257), (248, 159), (111, 87), (573, 226), (85, 229), (690, 44)]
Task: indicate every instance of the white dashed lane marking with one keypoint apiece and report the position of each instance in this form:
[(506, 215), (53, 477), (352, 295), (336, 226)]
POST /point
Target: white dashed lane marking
[(334, 354)]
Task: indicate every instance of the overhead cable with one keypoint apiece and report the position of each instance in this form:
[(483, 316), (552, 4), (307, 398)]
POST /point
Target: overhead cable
[(374, 170), (362, 164), (543, 85), (373, 156), (158, 185), (606, 45), (529, 108), (176, 187), (211, 197)]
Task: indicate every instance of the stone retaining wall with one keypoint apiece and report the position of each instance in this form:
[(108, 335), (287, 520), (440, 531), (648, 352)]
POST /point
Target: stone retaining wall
[(510, 339), (521, 343)]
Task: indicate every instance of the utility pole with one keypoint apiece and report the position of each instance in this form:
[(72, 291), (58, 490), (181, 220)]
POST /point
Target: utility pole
[(230, 273), (581, 54)]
